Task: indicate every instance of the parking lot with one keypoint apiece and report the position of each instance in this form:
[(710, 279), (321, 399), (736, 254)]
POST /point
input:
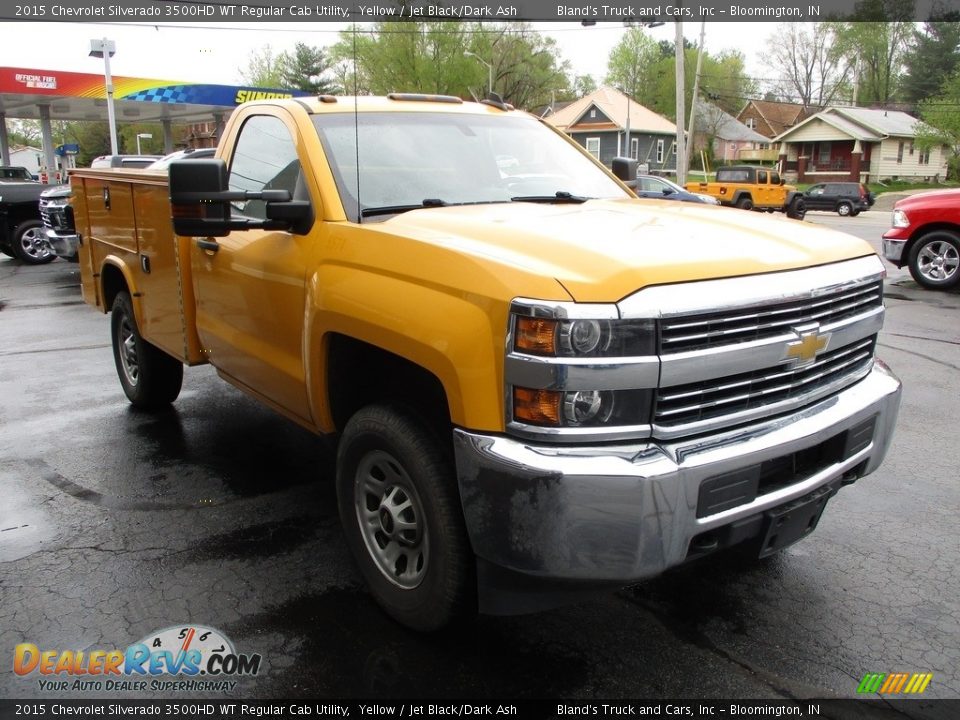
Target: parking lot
[(115, 524)]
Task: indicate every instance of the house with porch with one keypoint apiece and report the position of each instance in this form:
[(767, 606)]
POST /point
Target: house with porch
[(609, 124), (859, 144)]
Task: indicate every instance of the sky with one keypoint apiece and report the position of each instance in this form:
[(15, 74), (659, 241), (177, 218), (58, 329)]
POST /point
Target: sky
[(204, 53)]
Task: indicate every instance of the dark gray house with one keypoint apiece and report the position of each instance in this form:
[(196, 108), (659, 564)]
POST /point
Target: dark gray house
[(600, 121)]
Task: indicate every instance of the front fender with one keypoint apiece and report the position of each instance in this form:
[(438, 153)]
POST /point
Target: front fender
[(458, 338)]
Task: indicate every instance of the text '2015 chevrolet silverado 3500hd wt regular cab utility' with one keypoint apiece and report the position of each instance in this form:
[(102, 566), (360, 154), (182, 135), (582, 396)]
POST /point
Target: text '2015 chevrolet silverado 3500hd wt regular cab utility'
[(540, 384)]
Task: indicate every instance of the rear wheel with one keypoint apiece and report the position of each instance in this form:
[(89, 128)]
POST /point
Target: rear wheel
[(844, 209), (150, 378), (30, 245), (745, 203), (934, 260), (402, 517)]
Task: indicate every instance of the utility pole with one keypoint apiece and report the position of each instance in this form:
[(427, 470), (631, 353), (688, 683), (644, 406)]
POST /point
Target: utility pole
[(105, 49), (696, 89), (681, 155)]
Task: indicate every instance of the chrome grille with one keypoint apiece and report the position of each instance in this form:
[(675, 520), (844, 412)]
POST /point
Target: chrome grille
[(55, 216), (708, 330), (725, 397)]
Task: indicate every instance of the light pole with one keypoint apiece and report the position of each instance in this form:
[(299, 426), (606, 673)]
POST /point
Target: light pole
[(105, 49), (467, 53), (148, 136)]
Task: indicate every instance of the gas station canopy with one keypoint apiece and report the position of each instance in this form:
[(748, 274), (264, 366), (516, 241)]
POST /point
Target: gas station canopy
[(48, 95), (83, 96)]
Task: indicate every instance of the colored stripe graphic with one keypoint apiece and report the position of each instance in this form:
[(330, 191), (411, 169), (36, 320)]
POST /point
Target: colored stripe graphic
[(894, 683)]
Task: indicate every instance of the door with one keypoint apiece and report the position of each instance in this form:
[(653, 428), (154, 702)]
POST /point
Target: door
[(814, 198), (251, 284)]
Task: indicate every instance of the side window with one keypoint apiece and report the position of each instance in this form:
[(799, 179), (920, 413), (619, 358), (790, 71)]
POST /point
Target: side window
[(264, 158), (817, 189), (593, 147), (774, 178), (761, 177)]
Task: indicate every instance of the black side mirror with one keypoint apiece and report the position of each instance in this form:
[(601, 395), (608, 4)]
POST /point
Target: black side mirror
[(782, 181), (194, 185), (625, 168), (200, 198), (668, 191)]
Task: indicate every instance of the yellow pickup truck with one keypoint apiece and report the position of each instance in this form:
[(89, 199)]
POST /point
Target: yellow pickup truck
[(540, 384), (753, 188)]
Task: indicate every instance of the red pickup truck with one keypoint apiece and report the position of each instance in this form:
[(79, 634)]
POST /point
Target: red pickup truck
[(926, 237)]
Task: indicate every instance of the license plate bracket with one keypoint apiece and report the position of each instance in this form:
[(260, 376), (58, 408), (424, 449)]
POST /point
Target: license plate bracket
[(786, 524)]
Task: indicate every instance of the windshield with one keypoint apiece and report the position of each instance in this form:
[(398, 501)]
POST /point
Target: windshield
[(411, 160)]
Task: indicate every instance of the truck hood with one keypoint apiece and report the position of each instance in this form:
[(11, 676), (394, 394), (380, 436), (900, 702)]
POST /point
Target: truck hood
[(604, 250)]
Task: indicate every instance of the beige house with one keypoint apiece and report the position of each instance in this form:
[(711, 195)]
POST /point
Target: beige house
[(861, 144)]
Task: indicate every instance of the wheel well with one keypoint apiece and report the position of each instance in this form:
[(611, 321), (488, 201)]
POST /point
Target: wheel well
[(360, 374), (21, 213), (926, 230), (112, 282)]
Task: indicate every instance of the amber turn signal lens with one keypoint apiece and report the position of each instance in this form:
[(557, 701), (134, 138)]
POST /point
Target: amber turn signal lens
[(536, 335), (538, 407)]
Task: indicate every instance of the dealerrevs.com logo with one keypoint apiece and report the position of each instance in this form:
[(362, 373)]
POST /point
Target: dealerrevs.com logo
[(199, 657)]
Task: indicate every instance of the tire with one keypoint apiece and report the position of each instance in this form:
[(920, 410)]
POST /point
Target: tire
[(934, 260), (797, 209), (393, 473), (745, 203), (29, 245), (844, 209), (150, 378)]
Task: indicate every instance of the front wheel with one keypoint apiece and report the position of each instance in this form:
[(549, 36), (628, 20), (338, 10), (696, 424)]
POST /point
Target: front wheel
[(935, 260), (150, 378), (402, 517), (797, 209), (30, 245)]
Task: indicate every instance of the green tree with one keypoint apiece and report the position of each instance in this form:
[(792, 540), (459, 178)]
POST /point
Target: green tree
[(307, 68), (941, 115), (875, 43), (932, 57), (633, 63), (810, 69), (430, 57), (583, 85), (264, 68)]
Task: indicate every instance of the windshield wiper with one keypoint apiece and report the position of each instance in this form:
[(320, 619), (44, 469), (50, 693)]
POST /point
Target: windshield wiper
[(561, 196), (396, 209)]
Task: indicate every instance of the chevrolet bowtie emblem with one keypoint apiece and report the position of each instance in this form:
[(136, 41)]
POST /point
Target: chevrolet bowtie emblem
[(804, 350)]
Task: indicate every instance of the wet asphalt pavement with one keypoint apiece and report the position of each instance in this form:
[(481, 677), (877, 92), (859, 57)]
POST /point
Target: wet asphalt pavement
[(116, 523)]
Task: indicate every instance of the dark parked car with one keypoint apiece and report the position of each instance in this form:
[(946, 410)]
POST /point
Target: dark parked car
[(651, 186), (21, 232), (15, 173), (843, 198)]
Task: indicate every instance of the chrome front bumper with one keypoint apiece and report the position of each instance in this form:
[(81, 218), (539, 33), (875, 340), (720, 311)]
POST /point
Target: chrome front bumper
[(619, 513), (65, 246), (893, 250)]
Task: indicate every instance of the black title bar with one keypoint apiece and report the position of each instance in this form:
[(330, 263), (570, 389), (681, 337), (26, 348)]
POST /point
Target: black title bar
[(608, 11)]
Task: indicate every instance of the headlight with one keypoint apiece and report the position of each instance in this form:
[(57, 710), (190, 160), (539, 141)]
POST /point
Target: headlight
[(583, 338), (578, 372), (581, 408), (900, 219)]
